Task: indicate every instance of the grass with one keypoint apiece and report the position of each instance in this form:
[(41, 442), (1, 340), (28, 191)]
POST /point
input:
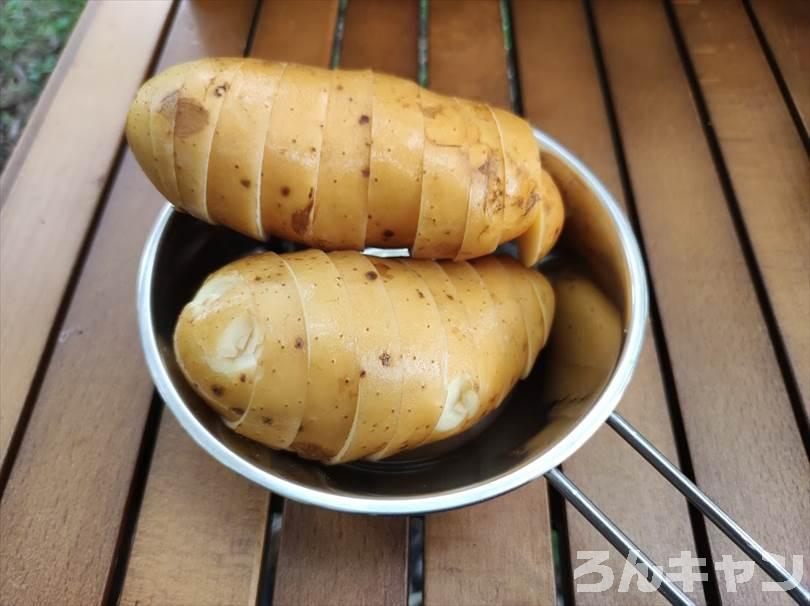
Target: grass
[(32, 34)]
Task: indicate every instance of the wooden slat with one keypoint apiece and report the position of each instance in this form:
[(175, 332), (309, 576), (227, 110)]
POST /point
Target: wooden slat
[(467, 58), (338, 559), (561, 94), (358, 560), (46, 97), (766, 162), (62, 510), (468, 35), (786, 24), (201, 528), (51, 203), (745, 446)]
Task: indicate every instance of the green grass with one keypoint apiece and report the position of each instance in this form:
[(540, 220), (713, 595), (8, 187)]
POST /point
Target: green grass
[(32, 33)]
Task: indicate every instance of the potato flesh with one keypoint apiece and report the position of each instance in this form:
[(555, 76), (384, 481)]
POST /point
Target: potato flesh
[(162, 114), (341, 198), (334, 369), (534, 243), (342, 356), (235, 164), (276, 407), (198, 106), (395, 178), (533, 320), (139, 133), (292, 152), (380, 386)]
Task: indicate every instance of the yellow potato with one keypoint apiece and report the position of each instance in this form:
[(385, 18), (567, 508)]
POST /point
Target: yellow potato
[(536, 241), (341, 198), (341, 356), (350, 159), (235, 164)]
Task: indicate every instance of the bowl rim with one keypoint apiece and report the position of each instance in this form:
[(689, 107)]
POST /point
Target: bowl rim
[(483, 490)]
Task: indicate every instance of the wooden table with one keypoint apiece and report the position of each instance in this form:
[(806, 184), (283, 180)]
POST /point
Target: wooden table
[(694, 114)]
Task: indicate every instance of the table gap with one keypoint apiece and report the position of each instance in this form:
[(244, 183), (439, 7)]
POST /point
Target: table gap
[(699, 529), (563, 575), (770, 57), (744, 239), (272, 541), (416, 560)]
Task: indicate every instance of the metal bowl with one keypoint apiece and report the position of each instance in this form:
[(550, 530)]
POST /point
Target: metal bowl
[(544, 421)]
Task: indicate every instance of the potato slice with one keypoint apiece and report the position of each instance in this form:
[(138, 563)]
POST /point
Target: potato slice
[(522, 173), (277, 404), (512, 331), (139, 134), (334, 370), (462, 399), (535, 243), (482, 231), (533, 319), (446, 177), (218, 342), (380, 391), (546, 297), (341, 199), (162, 114), (235, 164), (198, 105), (482, 314), (422, 356), (397, 145), (292, 152)]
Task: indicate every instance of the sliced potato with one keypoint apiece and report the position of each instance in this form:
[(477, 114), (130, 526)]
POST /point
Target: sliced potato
[(198, 106), (512, 331), (162, 114), (446, 177), (482, 231), (380, 390), (218, 342), (397, 145), (423, 355), (546, 298), (341, 199), (334, 370), (139, 133), (462, 399), (535, 243), (277, 404), (235, 164), (522, 172), (292, 152), (532, 314)]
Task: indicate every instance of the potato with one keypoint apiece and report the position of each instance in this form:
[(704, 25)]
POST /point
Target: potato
[(342, 356), (348, 159)]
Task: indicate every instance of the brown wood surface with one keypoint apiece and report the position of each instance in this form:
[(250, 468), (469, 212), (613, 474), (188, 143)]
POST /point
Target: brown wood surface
[(327, 557), (52, 201), (467, 56), (63, 506), (561, 94), (786, 25), (201, 528), (766, 162), (742, 434), (46, 97), (461, 565)]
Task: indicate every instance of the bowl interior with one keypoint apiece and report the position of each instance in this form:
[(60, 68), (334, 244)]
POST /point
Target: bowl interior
[(544, 419)]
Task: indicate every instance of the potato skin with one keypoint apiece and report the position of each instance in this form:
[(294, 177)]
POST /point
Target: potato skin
[(345, 393), (348, 159)]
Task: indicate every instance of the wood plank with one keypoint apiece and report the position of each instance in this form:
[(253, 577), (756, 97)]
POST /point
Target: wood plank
[(359, 560), (561, 94), (53, 199), (467, 58), (463, 34), (765, 159), (328, 559), (786, 25), (745, 446), (46, 97), (62, 510)]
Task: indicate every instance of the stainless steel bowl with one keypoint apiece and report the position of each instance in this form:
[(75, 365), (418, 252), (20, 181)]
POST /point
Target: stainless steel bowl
[(545, 420)]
